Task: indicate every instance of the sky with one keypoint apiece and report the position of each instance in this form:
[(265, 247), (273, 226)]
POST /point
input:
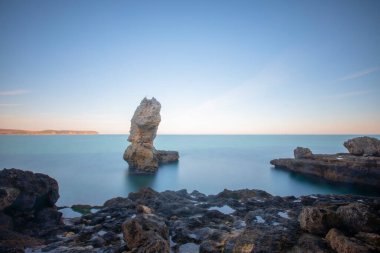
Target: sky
[(217, 67)]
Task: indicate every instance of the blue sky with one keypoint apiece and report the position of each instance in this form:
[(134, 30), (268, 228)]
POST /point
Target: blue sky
[(222, 67)]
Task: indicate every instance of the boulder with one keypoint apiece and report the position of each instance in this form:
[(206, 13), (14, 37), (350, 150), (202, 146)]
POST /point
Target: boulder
[(363, 146), (357, 217), (316, 220), (141, 154), (302, 153), (146, 233), (7, 196), (36, 190), (343, 244)]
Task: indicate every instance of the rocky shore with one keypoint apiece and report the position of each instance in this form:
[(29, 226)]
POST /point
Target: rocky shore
[(359, 167), (178, 221)]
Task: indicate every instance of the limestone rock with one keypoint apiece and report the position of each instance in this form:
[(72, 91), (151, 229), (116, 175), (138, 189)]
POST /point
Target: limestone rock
[(343, 244), (363, 146), (141, 154), (146, 233), (300, 153), (357, 217), (316, 220)]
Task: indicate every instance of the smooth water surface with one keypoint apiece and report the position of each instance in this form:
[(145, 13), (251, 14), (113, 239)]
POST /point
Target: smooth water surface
[(90, 168)]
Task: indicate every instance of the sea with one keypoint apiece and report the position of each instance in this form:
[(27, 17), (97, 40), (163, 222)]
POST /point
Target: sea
[(90, 168)]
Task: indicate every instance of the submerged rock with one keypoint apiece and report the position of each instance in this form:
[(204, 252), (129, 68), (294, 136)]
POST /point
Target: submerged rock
[(363, 146), (141, 154)]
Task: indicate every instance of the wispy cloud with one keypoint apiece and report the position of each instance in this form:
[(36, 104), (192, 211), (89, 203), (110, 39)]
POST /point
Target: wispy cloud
[(14, 92), (348, 94), (360, 73)]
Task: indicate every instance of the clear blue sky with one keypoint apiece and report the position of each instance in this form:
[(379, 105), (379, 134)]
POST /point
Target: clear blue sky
[(215, 66)]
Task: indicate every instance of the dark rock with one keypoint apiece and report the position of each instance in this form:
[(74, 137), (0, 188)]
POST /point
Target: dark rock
[(308, 243), (6, 221), (37, 190), (359, 217), (363, 146), (342, 244), (317, 220), (7, 196), (119, 202), (146, 233), (303, 153)]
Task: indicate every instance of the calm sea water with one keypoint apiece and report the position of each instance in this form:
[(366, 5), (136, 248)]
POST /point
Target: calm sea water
[(90, 169)]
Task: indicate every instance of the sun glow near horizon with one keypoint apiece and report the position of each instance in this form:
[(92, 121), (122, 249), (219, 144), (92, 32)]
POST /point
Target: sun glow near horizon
[(216, 67)]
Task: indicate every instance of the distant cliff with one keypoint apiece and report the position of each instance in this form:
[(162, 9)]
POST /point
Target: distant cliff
[(44, 132)]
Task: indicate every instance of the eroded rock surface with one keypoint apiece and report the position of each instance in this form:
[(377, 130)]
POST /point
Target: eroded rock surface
[(356, 169), (141, 154), (231, 222), (363, 146), (28, 214)]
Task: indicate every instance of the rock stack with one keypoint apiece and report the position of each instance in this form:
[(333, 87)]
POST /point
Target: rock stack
[(141, 154)]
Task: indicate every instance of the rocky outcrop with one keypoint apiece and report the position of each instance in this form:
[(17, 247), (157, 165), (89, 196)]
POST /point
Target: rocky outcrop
[(363, 146), (141, 154), (27, 208), (302, 153), (231, 221), (343, 168)]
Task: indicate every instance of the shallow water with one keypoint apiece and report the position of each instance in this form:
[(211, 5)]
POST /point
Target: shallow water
[(90, 169)]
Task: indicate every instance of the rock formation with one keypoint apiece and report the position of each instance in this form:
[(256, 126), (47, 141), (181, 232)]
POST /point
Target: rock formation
[(141, 154), (361, 166), (178, 221), (27, 208), (363, 146)]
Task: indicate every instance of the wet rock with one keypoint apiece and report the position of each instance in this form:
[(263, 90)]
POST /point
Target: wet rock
[(363, 146), (146, 233), (342, 244), (303, 153), (141, 154)]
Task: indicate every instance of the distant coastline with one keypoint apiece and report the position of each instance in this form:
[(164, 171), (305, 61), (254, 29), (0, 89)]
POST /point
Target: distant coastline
[(45, 132)]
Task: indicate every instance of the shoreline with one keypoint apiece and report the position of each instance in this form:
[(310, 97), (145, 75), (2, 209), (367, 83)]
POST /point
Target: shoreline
[(178, 221)]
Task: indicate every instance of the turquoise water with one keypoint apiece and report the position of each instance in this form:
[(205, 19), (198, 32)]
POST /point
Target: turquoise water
[(90, 169)]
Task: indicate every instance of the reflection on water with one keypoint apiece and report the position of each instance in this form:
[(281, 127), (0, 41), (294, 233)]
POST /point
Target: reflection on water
[(90, 169)]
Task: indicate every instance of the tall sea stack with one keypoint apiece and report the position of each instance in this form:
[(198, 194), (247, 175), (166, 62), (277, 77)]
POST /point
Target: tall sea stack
[(141, 154)]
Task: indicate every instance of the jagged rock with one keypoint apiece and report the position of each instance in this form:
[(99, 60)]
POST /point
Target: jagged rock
[(302, 153), (146, 233), (342, 244), (7, 196), (316, 220), (363, 146), (27, 202), (36, 190), (357, 217), (141, 154)]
